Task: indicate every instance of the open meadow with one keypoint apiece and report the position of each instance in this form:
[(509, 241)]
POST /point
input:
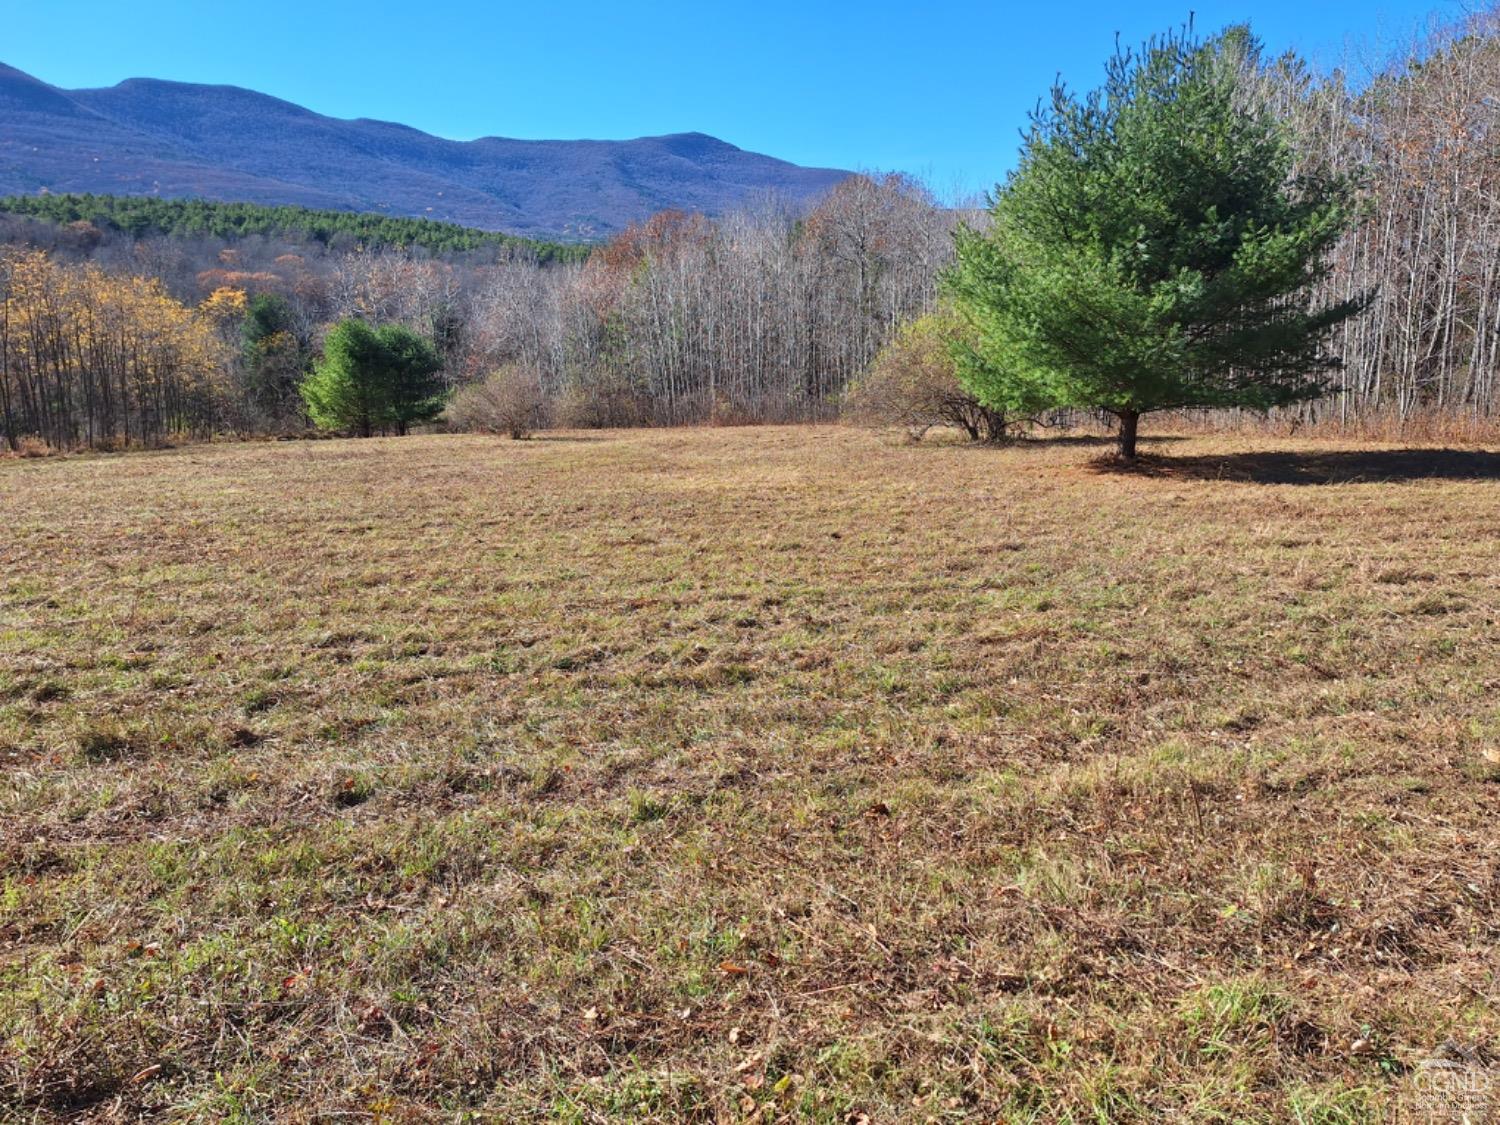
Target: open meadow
[(747, 774)]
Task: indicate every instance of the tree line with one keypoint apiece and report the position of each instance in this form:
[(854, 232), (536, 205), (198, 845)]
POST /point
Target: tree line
[(1212, 228), (1417, 136), (140, 216), (764, 315), (1346, 267), (93, 359)]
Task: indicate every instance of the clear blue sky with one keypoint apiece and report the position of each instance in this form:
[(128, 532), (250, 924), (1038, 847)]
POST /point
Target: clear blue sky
[(937, 88)]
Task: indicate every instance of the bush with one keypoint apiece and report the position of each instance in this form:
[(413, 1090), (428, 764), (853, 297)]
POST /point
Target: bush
[(509, 401), (602, 404), (33, 447), (913, 382)]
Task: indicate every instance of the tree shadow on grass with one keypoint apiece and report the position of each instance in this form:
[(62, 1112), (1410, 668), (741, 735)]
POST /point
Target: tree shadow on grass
[(1064, 441), (1333, 467)]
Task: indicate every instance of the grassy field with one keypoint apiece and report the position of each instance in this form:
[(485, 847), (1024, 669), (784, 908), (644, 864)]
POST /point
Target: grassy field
[(763, 774)]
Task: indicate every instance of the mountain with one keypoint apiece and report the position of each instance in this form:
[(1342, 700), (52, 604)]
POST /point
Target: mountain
[(179, 139)]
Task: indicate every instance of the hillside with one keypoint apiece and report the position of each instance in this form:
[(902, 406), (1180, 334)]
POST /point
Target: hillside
[(179, 140)]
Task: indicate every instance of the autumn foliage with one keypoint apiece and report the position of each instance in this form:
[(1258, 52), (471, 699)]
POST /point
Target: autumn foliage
[(89, 358)]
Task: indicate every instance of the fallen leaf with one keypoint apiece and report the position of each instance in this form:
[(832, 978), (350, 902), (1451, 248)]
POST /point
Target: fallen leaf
[(730, 969)]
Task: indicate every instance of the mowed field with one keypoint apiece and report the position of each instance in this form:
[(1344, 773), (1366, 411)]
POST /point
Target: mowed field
[(746, 774)]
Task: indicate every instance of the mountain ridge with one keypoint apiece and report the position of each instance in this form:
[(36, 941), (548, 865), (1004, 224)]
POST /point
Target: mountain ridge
[(149, 136)]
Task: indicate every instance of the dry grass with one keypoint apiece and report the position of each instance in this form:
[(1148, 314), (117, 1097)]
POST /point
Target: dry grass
[(765, 774)]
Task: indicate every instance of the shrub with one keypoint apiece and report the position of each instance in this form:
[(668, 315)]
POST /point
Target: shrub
[(913, 383), (602, 404), (33, 447), (509, 401)]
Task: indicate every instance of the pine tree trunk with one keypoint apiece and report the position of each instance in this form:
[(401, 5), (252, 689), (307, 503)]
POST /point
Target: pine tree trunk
[(1129, 422)]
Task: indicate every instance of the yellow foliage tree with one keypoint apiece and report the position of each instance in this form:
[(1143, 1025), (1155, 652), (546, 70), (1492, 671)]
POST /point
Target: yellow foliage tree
[(89, 358)]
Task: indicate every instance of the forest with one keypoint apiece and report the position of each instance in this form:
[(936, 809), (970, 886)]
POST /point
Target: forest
[(140, 216), (761, 316)]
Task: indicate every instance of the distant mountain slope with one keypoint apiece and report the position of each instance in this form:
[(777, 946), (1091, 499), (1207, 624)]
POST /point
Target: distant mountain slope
[(178, 140)]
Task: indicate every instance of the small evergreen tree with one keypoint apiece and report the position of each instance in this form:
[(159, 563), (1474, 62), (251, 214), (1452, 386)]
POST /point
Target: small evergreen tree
[(1153, 250), (413, 391), (345, 390), (373, 378)]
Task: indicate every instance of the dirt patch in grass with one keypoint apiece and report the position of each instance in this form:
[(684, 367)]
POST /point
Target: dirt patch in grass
[(722, 773)]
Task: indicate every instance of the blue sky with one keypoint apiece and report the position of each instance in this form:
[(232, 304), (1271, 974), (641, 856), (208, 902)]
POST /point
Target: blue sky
[(938, 89)]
